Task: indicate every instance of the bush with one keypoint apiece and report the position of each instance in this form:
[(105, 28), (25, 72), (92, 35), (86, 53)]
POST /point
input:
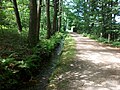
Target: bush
[(85, 34), (103, 40), (116, 44)]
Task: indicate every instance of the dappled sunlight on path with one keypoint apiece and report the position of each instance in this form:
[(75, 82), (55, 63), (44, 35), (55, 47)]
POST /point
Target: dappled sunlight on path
[(96, 67), (88, 49)]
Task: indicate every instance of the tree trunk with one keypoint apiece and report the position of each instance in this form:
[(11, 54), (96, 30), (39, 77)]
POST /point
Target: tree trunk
[(55, 16), (38, 17), (103, 20), (32, 35), (17, 16), (48, 18), (60, 15)]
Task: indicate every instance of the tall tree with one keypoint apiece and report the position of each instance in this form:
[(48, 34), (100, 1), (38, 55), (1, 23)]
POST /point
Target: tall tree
[(1, 16), (17, 16), (55, 2), (39, 6), (48, 19), (32, 34), (86, 16), (60, 14)]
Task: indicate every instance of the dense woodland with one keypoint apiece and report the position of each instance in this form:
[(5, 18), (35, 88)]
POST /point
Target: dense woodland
[(95, 17), (30, 30)]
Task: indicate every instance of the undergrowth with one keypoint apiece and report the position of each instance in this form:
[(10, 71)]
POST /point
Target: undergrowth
[(103, 40), (18, 63)]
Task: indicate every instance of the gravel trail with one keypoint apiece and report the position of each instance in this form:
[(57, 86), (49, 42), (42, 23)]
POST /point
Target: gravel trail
[(96, 66)]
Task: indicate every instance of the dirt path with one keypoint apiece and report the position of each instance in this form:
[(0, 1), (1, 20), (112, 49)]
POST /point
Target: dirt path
[(96, 67)]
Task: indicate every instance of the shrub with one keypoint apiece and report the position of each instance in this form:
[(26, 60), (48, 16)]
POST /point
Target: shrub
[(117, 44)]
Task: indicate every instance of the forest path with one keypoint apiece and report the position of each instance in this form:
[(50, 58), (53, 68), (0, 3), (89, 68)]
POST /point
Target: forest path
[(95, 67)]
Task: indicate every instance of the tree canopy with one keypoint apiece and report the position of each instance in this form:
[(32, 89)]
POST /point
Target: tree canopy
[(97, 17)]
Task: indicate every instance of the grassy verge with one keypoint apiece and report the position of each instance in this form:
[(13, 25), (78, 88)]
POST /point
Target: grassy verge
[(103, 40), (63, 65)]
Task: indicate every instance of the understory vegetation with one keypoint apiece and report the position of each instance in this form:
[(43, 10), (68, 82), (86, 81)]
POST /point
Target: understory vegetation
[(18, 63), (27, 39), (103, 40)]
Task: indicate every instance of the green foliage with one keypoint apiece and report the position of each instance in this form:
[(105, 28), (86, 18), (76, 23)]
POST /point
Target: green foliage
[(94, 17), (46, 46), (103, 40), (93, 36), (21, 60), (6, 74), (7, 61), (18, 62), (63, 65), (116, 44), (85, 34)]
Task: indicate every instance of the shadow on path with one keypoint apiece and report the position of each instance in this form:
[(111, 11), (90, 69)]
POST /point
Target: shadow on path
[(96, 67)]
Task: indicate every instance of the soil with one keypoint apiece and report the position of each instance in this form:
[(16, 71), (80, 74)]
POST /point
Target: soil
[(96, 66)]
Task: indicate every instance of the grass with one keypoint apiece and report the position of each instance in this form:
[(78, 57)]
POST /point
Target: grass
[(63, 66), (103, 40)]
